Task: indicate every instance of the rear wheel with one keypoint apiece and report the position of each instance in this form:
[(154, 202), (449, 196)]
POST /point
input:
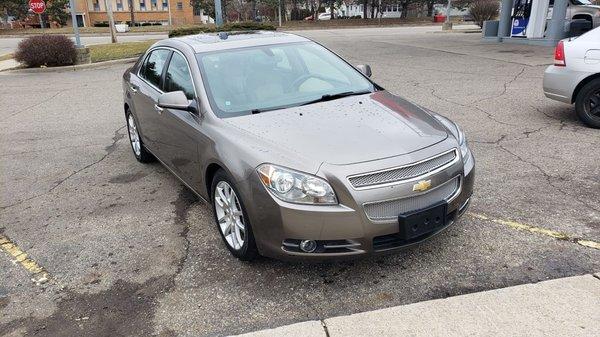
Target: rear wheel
[(230, 216), (587, 104), (139, 151)]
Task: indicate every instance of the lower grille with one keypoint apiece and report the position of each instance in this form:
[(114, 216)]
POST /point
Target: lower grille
[(391, 241), (390, 209)]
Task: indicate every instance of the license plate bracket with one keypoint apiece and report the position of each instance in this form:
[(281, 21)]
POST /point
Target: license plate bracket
[(422, 221)]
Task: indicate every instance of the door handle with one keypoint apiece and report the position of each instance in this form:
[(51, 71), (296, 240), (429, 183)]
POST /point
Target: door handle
[(158, 109), (133, 89)]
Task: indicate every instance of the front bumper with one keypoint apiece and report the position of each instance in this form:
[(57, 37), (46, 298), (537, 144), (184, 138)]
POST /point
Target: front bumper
[(344, 230)]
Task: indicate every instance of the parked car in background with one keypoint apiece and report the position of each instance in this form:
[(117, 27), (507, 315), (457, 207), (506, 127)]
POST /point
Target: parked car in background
[(575, 76), (301, 155), (580, 10), (324, 16)]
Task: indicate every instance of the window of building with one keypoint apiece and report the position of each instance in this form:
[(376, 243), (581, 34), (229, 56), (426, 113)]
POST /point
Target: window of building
[(154, 4), (152, 68), (142, 5), (178, 76), (96, 5), (165, 5), (180, 5), (119, 5), (197, 10)]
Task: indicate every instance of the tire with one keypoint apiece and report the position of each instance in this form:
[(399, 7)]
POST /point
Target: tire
[(587, 104), (139, 150), (234, 225)]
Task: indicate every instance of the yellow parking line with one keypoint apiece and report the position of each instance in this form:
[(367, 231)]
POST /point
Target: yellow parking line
[(537, 230), (39, 274)]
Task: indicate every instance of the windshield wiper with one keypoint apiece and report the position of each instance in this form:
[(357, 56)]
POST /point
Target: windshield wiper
[(329, 97), (257, 111)]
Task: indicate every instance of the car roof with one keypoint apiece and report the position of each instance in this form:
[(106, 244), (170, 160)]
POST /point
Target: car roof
[(223, 41)]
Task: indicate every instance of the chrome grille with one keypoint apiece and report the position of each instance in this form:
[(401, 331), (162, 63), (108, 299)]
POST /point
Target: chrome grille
[(402, 173), (390, 209)]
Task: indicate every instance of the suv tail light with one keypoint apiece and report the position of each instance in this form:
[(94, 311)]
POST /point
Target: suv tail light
[(559, 54)]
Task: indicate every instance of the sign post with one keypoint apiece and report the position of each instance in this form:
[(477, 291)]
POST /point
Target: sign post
[(74, 21), (38, 7)]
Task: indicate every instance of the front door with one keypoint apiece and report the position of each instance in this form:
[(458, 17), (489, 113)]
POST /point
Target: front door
[(180, 130)]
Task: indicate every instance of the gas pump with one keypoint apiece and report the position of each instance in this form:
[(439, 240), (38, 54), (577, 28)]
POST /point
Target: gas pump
[(520, 17)]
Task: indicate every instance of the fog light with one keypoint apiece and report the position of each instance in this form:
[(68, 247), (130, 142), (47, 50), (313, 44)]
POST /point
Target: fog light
[(308, 246)]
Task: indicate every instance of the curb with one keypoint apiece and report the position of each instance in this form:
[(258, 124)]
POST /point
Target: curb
[(71, 68), (565, 306)]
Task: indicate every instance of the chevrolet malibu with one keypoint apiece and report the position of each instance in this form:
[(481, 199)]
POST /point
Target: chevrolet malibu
[(301, 155)]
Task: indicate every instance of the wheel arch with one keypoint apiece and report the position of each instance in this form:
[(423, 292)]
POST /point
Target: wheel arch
[(209, 174), (582, 84), (587, 17)]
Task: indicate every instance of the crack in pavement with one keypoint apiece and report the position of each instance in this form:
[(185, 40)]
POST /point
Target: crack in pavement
[(184, 201), (37, 104), (548, 178), (486, 113), (325, 329), (505, 85), (109, 149)]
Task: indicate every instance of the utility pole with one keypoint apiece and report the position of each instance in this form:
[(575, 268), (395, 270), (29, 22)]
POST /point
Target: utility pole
[(280, 13), (218, 13), (447, 24), (111, 21), (131, 10), (75, 26)]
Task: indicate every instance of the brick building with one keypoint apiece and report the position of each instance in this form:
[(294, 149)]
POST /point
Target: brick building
[(175, 12)]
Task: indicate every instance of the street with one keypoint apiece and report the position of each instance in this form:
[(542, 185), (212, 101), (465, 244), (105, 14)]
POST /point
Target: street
[(130, 251)]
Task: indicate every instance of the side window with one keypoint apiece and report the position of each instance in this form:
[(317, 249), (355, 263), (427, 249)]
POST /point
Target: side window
[(152, 68), (178, 76)]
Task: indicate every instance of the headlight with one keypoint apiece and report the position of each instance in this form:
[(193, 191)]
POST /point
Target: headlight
[(464, 146), (293, 186)]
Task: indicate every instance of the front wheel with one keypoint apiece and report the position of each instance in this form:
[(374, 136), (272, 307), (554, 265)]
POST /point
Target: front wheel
[(587, 104), (231, 218)]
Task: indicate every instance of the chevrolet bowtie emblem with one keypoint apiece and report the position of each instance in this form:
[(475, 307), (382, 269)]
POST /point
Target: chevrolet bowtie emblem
[(422, 186)]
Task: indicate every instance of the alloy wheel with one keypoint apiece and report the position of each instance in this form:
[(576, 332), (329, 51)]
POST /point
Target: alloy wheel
[(134, 137), (230, 216), (593, 104)]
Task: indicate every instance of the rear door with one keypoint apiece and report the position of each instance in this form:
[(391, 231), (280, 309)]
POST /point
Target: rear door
[(148, 85)]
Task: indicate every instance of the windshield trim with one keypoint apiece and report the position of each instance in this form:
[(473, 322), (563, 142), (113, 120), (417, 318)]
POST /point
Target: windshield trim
[(221, 114)]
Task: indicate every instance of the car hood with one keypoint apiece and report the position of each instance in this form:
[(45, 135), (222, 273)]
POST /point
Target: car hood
[(347, 130)]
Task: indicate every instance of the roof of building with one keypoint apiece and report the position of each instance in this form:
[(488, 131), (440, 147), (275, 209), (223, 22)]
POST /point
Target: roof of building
[(230, 40)]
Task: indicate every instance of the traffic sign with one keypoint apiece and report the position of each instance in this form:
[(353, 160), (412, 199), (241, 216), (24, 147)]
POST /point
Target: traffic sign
[(37, 6)]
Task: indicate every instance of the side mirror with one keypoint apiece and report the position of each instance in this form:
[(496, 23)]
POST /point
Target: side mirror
[(365, 69), (175, 100)]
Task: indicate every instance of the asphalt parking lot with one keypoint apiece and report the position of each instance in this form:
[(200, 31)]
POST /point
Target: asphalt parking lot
[(129, 251)]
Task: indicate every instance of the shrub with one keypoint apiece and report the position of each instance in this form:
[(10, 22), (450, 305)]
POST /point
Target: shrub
[(483, 10), (228, 27), (46, 50)]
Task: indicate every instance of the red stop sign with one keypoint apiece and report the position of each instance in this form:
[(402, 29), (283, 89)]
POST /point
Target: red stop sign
[(37, 6)]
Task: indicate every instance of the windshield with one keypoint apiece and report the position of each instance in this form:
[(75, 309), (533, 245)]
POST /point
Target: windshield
[(246, 80)]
